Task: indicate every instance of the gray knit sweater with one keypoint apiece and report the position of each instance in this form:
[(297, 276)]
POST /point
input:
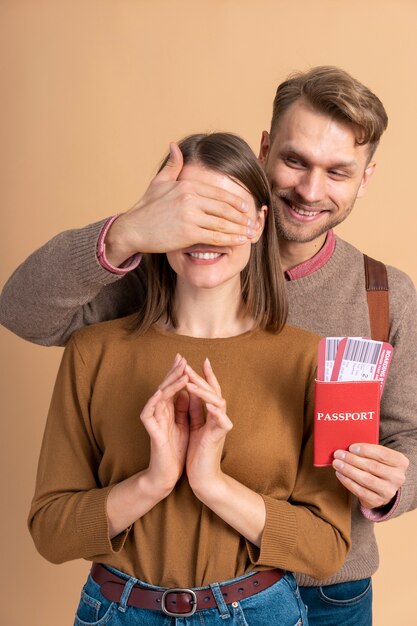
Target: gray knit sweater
[(62, 287)]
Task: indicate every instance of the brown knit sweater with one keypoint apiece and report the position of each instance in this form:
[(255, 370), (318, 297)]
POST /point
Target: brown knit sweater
[(94, 438), (61, 287)]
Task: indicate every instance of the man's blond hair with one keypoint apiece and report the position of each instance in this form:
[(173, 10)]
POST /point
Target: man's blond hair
[(334, 92)]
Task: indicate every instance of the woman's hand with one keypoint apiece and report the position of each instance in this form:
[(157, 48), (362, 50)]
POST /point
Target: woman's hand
[(207, 436), (240, 507), (166, 422)]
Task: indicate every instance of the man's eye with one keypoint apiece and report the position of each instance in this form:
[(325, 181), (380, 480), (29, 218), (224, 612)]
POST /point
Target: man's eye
[(292, 162), (338, 174)]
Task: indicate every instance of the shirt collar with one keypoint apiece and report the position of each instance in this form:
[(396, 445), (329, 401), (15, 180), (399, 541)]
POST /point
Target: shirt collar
[(316, 262)]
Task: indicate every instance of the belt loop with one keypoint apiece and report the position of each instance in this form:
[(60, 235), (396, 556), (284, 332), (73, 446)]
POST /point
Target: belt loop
[(221, 604), (124, 598)]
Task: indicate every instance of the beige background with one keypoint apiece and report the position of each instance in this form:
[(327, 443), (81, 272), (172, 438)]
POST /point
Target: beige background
[(91, 93)]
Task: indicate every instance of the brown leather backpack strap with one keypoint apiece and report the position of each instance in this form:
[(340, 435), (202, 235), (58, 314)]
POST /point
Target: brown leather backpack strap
[(376, 281)]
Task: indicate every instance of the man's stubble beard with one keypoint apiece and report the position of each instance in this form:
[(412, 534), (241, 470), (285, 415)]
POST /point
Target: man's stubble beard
[(287, 232)]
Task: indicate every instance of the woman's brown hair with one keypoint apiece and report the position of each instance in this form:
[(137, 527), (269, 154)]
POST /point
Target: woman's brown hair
[(263, 289)]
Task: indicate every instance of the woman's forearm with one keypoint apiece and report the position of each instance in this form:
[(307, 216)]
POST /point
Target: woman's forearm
[(240, 507), (130, 499)]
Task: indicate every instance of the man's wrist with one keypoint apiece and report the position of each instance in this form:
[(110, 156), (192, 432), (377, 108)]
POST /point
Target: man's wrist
[(384, 512), (108, 255)]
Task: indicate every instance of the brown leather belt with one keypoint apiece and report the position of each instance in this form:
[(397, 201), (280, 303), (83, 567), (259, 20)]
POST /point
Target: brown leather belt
[(181, 602)]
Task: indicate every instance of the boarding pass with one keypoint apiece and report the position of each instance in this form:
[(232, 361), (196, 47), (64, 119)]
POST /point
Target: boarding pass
[(353, 359)]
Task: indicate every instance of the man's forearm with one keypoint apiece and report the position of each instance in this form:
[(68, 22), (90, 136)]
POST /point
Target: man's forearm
[(62, 287)]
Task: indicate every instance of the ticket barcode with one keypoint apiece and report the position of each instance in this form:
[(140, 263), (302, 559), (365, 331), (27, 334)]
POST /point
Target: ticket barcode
[(362, 352), (332, 344)]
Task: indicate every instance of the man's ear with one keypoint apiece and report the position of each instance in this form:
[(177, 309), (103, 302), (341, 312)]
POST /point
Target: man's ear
[(264, 147), (260, 223), (367, 175)]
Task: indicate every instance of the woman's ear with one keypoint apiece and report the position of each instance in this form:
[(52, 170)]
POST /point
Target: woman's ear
[(260, 222)]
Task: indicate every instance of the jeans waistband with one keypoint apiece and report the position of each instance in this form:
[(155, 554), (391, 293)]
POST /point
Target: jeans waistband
[(181, 602)]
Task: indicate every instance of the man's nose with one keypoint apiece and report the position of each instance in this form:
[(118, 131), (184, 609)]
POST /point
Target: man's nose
[(312, 186)]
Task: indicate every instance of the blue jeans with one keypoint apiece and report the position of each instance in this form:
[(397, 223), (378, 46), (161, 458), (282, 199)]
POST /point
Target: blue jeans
[(280, 605), (344, 604)]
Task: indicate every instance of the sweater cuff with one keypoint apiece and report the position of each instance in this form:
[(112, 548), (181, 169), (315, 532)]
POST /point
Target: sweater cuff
[(382, 513), (279, 536), (128, 265), (92, 525), (81, 255)]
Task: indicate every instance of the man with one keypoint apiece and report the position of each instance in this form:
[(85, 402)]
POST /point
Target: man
[(318, 158)]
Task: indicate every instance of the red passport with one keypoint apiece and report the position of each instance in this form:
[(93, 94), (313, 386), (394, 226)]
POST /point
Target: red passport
[(344, 413)]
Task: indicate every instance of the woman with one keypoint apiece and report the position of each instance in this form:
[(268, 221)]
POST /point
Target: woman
[(197, 512)]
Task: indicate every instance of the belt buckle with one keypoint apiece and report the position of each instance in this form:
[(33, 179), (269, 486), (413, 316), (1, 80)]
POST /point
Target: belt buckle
[(193, 602)]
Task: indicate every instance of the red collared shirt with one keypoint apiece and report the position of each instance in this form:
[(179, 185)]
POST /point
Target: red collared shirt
[(316, 262)]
